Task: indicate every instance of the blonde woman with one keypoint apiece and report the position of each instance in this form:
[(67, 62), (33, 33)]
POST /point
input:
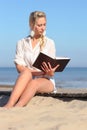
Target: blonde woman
[(31, 80)]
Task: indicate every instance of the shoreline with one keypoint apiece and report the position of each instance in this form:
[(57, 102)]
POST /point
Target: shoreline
[(59, 90)]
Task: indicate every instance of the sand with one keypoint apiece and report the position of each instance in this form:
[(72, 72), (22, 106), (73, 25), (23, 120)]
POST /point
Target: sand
[(45, 113)]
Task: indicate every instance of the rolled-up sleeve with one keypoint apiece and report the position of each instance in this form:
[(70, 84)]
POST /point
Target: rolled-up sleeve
[(19, 56)]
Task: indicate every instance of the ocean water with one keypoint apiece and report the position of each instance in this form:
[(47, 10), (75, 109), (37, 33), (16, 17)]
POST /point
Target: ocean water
[(71, 77)]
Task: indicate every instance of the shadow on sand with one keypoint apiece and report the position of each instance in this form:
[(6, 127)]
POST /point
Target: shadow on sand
[(4, 96)]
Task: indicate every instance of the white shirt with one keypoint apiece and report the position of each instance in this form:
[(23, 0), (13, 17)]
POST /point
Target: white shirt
[(26, 55)]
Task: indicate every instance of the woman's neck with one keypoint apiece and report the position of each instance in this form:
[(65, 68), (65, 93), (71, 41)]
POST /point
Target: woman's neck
[(34, 41), (37, 37)]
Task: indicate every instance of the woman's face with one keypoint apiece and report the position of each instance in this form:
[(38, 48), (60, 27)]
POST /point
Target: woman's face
[(40, 26)]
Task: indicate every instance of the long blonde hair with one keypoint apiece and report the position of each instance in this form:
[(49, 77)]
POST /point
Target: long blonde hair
[(32, 19)]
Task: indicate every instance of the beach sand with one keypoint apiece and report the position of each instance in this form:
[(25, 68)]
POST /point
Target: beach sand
[(45, 113)]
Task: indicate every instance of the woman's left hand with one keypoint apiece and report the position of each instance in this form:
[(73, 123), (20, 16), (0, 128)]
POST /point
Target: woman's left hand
[(48, 69)]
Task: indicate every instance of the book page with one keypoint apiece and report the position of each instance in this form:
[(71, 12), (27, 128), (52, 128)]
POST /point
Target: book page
[(58, 57)]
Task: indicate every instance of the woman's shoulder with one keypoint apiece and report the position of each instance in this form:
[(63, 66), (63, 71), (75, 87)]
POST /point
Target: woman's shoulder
[(23, 40)]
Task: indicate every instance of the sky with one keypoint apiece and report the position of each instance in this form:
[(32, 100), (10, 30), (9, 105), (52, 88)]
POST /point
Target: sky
[(66, 25)]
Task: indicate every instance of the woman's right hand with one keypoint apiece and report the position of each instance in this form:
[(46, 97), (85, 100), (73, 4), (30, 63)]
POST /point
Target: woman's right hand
[(48, 69)]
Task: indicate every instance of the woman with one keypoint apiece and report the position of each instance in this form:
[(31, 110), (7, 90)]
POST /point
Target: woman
[(32, 80)]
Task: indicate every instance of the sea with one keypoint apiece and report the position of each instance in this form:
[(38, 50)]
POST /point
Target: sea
[(70, 77)]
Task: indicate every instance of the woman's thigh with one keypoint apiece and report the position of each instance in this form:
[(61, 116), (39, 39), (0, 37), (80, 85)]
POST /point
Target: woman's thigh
[(44, 85)]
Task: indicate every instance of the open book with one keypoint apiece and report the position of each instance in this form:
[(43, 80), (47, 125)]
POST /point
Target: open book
[(62, 61)]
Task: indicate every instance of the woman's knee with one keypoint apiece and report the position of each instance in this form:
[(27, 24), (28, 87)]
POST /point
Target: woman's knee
[(35, 84), (26, 73)]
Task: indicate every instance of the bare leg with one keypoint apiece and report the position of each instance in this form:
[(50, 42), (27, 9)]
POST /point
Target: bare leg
[(19, 87), (37, 85)]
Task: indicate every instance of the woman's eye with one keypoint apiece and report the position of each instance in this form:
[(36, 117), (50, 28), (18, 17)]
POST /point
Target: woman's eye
[(39, 25)]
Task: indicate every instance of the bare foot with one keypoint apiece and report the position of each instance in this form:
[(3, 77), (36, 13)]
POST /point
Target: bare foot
[(7, 106)]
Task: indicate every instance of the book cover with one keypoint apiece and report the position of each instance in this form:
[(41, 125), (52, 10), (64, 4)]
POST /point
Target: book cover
[(62, 61)]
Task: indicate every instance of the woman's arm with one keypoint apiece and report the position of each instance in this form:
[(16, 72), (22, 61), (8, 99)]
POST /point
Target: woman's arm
[(21, 68)]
